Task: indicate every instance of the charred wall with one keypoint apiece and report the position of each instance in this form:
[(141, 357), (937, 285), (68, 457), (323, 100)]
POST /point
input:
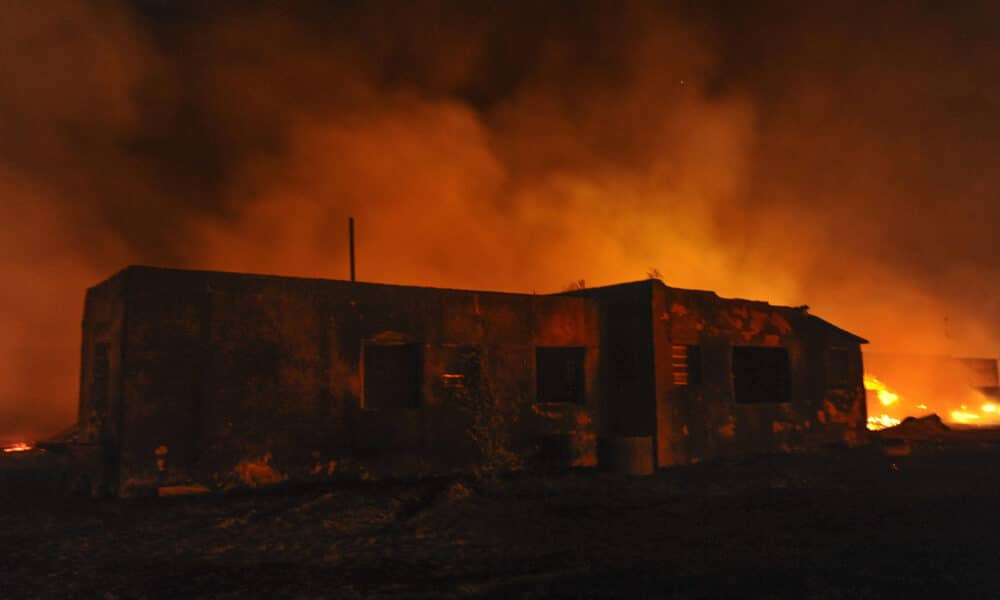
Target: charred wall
[(223, 379), (627, 373), (703, 344), (101, 368), (228, 377)]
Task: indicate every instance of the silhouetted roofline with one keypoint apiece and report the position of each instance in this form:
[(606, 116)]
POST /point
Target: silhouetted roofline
[(801, 310), (269, 276), (826, 323), (583, 292)]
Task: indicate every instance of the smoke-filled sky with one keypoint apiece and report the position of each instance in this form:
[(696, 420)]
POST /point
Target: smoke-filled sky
[(842, 156)]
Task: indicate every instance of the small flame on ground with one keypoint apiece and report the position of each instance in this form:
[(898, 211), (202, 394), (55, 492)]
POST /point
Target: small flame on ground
[(887, 398), (964, 417), (881, 422), (18, 447)]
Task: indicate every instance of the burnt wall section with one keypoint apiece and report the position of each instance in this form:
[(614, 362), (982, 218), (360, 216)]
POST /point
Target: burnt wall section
[(101, 367), (627, 373), (231, 379), (703, 412), (235, 378)]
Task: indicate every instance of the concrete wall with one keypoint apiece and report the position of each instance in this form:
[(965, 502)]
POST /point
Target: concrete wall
[(701, 421), (101, 368), (628, 371), (231, 378), (226, 379)]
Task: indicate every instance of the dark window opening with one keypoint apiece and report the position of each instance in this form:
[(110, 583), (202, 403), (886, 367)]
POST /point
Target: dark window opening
[(686, 365), (561, 375), (392, 376), (838, 367), (760, 375), (461, 367)]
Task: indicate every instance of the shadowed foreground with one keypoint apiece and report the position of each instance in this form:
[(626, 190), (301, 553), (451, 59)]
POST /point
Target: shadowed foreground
[(846, 524)]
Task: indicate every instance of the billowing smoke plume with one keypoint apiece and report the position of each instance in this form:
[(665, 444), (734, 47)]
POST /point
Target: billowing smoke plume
[(838, 158)]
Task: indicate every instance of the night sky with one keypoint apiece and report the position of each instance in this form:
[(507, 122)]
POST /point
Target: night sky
[(841, 156)]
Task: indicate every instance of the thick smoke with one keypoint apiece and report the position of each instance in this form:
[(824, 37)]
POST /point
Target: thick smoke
[(840, 158)]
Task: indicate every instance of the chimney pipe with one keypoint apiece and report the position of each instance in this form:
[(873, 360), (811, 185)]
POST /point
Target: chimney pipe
[(350, 235)]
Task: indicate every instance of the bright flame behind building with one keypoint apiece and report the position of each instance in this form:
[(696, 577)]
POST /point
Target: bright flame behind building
[(886, 398), (961, 391)]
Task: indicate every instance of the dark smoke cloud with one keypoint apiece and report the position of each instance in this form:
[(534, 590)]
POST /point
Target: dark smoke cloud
[(840, 157)]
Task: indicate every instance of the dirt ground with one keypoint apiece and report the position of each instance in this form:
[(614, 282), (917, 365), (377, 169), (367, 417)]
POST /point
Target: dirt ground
[(840, 524)]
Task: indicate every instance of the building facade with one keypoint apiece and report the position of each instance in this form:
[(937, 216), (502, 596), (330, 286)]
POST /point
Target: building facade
[(221, 378)]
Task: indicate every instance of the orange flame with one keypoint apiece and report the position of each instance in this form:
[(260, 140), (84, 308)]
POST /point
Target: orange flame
[(977, 409), (18, 447), (887, 398), (989, 414)]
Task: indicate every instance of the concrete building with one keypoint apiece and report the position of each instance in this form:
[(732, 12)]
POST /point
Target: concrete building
[(221, 378)]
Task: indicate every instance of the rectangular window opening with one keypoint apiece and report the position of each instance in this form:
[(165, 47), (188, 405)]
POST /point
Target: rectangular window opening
[(391, 376), (761, 375), (561, 376), (685, 364)]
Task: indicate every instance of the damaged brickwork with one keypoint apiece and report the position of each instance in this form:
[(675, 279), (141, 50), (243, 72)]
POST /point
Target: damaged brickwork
[(221, 380)]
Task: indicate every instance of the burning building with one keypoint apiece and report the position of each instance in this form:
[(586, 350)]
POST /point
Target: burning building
[(216, 378)]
